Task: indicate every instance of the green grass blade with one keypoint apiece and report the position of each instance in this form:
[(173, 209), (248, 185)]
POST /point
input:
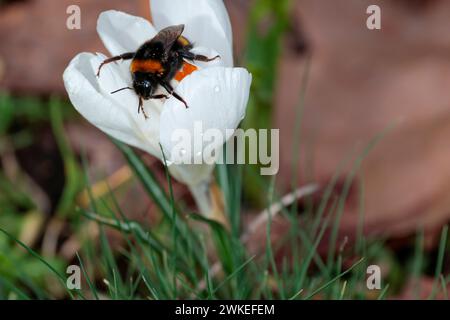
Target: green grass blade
[(440, 261), (88, 280), (233, 274), (148, 180), (60, 277), (326, 285), (383, 293), (73, 183), (174, 254)]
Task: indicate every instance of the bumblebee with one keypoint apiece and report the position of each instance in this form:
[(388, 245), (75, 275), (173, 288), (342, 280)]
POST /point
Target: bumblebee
[(157, 62)]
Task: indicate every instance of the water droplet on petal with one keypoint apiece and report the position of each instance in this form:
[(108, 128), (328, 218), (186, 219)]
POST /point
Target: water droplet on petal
[(217, 89)]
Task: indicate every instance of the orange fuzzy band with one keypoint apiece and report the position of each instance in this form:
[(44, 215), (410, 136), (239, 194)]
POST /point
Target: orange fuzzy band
[(151, 66), (185, 71)]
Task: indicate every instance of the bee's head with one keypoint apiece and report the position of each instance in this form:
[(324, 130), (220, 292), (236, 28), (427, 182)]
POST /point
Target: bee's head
[(143, 86)]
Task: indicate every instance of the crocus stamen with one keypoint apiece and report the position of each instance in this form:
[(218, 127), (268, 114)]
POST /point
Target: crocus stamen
[(185, 71)]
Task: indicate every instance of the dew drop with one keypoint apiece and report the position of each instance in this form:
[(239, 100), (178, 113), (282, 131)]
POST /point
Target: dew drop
[(217, 89)]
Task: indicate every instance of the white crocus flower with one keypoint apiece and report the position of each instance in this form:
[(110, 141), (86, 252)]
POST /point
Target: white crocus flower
[(216, 93)]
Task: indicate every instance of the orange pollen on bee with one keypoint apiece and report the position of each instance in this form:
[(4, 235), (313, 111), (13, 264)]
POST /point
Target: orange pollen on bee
[(185, 71), (149, 65)]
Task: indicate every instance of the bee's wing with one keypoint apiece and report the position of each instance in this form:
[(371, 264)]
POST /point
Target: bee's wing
[(168, 36)]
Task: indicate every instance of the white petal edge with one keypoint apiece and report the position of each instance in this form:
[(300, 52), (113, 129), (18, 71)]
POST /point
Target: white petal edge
[(109, 115), (122, 32), (217, 99), (207, 23), (192, 174)]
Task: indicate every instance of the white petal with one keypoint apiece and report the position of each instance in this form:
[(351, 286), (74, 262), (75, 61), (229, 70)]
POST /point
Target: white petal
[(217, 99), (112, 114), (207, 23), (146, 129), (122, 32), (192, 174)]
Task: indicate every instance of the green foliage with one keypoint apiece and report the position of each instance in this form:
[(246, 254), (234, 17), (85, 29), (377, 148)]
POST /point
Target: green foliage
[(269, 19), (185, 255), (73, 183), (19, 119), (179, 257)]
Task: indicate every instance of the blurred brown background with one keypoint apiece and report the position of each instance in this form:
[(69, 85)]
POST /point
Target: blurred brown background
[(360, 83), (363, 82)]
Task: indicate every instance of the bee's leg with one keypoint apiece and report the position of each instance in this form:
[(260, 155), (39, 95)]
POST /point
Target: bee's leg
[(159, 96), (141, 103), (197, 57), (171, 91), (141, 107), (125, 56), (176, 95)]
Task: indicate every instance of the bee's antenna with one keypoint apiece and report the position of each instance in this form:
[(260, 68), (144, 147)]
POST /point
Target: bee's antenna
[(125, 88)]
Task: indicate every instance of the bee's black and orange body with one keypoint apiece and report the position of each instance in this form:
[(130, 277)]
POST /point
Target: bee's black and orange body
[(158, 61), (153, 63)]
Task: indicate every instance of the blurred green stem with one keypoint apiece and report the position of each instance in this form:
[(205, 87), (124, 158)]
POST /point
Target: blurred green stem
[(73, 184)]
